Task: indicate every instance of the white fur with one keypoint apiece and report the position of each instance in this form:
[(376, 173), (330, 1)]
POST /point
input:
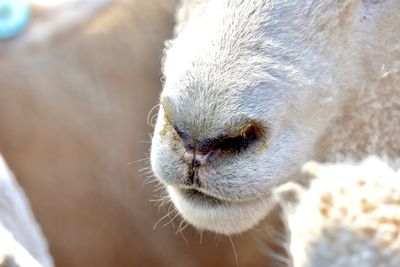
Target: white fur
[(21, 240), (348, 217), (323, 75), (224, 220)]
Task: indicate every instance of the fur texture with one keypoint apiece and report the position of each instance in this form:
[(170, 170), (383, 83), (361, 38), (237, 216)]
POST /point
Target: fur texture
[(348, 217), (21, 240), (320, 77)]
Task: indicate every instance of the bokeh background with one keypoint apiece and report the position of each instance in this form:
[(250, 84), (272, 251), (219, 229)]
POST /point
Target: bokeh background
[(73, 118)]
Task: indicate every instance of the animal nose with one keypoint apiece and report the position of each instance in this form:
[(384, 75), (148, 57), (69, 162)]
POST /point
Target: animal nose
[(197, 158), (196, 154), (201, 152)]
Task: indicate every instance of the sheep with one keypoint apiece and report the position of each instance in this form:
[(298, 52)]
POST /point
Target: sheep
[(255, 89), (21, 240), (348, 217)]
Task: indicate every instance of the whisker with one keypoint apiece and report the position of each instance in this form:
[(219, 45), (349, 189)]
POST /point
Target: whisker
[(147, 174), (171, 221), (159, 188), (180, 227), (184, 237), (201, 237), (149, 180), (171, 205), (144, 169), (234, 250), (157, 200), (138, 161), (150, 116), (164, 203), (160, 220)]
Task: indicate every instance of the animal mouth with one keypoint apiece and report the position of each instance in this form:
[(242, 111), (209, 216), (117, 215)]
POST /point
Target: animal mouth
[(201, 198)]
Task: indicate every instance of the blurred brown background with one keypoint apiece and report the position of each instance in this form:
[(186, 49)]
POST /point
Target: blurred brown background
[(72, 116)]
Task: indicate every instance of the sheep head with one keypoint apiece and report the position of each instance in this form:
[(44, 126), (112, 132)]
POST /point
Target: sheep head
[(249, 88)]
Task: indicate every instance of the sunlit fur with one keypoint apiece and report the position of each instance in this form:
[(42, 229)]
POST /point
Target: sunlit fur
[(321, 77), (348, 217)]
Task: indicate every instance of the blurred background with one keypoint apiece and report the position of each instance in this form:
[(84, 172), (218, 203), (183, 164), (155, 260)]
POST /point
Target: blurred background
[(76, 88)]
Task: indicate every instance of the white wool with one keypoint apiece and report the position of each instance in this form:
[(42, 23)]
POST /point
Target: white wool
[(350, 216), (21, 240)]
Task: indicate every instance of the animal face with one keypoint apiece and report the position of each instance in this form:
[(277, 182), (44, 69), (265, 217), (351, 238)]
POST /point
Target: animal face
[(245, 98)]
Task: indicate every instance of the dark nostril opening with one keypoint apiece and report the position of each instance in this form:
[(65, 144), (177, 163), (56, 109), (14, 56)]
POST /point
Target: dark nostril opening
[(201, 152), (233, 144), (188, 146), (187, 141)]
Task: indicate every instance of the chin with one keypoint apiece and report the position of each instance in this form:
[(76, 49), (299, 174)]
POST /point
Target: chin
[(206, 212)]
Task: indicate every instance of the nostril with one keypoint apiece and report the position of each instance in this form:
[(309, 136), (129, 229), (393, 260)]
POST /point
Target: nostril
[(188, 146), (234, 143), (200, 152), (186, 139)]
